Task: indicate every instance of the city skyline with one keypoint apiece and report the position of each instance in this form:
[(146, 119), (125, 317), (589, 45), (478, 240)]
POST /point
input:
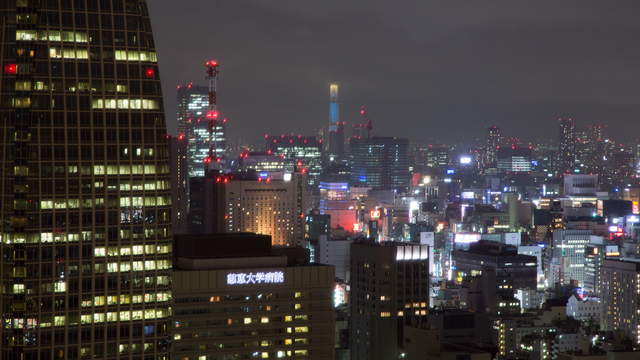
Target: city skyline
[(409, 64)]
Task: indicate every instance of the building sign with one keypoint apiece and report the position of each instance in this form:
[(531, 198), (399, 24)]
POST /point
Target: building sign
[(273, 277)]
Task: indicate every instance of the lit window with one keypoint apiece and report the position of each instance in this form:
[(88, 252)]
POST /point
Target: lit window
[(264, 320), (247, 320)]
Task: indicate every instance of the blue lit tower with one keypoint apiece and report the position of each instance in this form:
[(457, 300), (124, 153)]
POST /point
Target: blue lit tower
[(335, 148)]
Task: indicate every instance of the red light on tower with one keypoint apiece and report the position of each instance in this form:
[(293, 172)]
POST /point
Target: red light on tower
[(211, 63), (181, 137), (150, 73), (11, 69), (212, 114)]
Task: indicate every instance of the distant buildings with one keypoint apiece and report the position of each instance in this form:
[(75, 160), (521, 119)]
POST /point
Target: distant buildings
[(381, 163), (494, 139), (299, 152), (567, 148), (514, 159)]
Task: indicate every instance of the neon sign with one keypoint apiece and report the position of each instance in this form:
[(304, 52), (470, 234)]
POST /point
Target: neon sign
[(273, 277)]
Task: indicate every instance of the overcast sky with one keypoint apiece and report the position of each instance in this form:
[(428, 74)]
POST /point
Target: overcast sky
[(425, 69)]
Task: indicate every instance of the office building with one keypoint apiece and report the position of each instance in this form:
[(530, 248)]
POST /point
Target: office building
[(267, 206), (84, 196), (437, 156), (389, 289), (242, 202), (381, 163), (514, 159), (513, 271), (262, 163), (570, 254), (302, 153), (193, 103), (236, 297), (619, 289), (336, 252), (580, 184), (494, 138), (567, 147)]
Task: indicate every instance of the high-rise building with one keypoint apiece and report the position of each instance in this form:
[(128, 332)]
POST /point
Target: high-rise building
[(389, 289), (567, 147), (381, 163), (269, 164), (619, 289), (569, 248), (494, 137), (193, 105), (237, 298), (84, 197), (335, 145), (514, 159), (299, 152), (437, 156), (266, 206)]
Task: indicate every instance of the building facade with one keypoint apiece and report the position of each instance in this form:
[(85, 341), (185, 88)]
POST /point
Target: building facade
[(193, 104), (380, 162), (236, 300), (84, 196), (299, 152), (389, 289), (266, 206), (620, 299)]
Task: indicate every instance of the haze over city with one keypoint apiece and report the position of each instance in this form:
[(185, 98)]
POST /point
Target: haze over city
[(422, 67)]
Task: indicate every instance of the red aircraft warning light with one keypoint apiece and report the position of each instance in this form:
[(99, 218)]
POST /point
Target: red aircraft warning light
[(212, 114), (150, 73), (10, 69)]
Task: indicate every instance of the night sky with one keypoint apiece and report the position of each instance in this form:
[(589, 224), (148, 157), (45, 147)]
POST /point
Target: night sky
[(426, 69)]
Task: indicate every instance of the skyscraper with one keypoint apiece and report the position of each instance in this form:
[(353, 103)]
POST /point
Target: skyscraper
[(335, 146), (193, 104), (84, 196), (567, 147), (381, 162), (491, 148), (302, 152)]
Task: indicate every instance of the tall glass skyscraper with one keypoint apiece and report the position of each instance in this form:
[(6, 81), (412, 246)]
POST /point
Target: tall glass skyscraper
[(380, 162), (84, 183), (193, 104)]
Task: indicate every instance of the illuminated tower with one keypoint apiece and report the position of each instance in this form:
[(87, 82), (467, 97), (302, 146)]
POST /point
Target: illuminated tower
[(567, 146), (84, 193), (336, 127)]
